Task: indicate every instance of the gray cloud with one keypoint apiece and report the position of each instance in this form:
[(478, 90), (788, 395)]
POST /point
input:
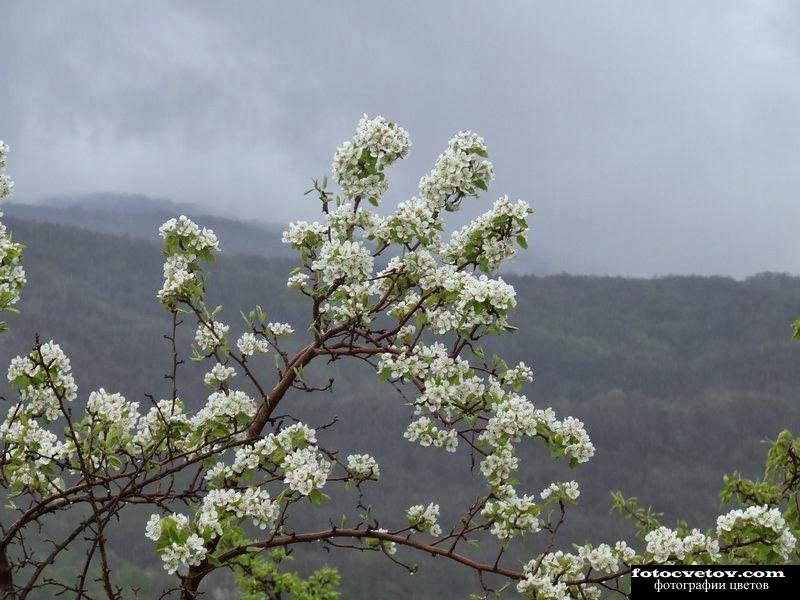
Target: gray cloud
[(652, 137)]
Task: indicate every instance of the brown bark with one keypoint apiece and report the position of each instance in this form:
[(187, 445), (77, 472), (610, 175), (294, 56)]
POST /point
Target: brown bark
[(6, 579)]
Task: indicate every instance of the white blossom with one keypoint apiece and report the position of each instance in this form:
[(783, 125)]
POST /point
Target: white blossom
[(664, 544), (249, 344), (178, 276), (603, 558), (252, 503), (512, 515), (413, 220), (363, 466), (43, 378), (12, 275), (305, 470), (153, 528), (517, 375), (211, 335), (194, 239), (6, 185), (359, 163), (770, 520), (190, 553), (545, 578), (114, 414), (165, 420), (218, 375), (298, 280), (461, 170), (424, 518), (489, 240), (184, 243), (279, 329), (31, 452), (567, 490), (345, 260), (225, 407), (302, 233)]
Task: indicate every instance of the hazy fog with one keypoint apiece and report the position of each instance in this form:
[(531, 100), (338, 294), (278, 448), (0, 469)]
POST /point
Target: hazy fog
[(652, 137)]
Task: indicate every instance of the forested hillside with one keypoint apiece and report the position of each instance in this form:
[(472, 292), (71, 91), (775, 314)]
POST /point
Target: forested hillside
[(677, 379), (138, 216)]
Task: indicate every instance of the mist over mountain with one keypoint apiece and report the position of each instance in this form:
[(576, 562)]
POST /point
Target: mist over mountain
[(139, 216), (678, 380)]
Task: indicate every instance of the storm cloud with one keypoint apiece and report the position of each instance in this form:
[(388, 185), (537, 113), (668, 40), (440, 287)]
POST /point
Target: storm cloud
[(652, 137)]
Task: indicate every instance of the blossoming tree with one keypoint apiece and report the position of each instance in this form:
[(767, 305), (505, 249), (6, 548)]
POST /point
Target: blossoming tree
[(224, 481)]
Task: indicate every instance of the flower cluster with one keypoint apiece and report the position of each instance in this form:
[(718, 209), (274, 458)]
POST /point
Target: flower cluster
[(249, 344), (304, 235), (271, 449), (413, 220), (43, 378), (112, 423), (12, 275), (559, 492), (184, 233), (184, 244), (181, 541), (455, 299), (449, 382), (498, 466), (344, 220), (218, 375), (426, 433), (512, 515), (666, 545), (211, 335), (606, 559), (252, 503), (489, 240), (756, 522), (349, 303), (460, 171), (363, 467), (305, 470), (6, 185), (164, 423), (546, 577), (225, 411), (293, 450), (350, 262), (483, 301), (514, 417), (298, 281), (424, 518), (31, 455), (279, 329), (517, 376), (176, 541), (358, 165)]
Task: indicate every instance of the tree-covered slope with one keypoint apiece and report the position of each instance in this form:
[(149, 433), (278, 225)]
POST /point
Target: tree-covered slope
[(677, 379)]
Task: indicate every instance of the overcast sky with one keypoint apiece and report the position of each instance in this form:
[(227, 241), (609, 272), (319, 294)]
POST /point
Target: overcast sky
[(652, 137)]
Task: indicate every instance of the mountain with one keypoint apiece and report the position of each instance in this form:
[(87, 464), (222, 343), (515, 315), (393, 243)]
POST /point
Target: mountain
[(678, 380), (137, 216)]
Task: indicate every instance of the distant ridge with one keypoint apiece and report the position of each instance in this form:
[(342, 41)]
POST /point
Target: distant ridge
[(139, 216)]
